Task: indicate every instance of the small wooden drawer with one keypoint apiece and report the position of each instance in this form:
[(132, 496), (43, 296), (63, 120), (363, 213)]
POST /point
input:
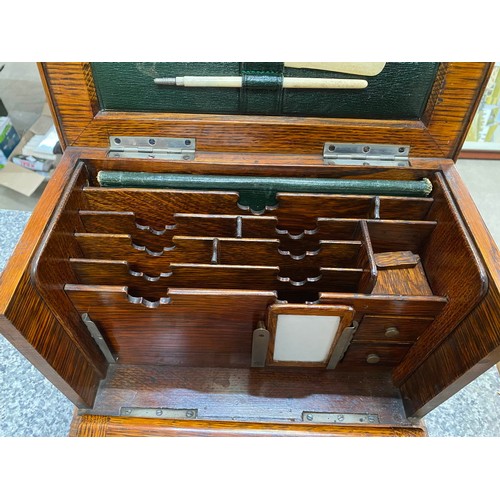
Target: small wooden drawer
[(391, 328), (374, 354)]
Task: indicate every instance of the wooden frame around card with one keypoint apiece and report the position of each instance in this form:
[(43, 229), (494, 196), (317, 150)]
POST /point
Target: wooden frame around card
[(345, 313)]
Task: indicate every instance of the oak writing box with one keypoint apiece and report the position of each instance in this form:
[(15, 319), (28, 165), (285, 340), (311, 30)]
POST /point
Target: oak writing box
[(236, 285)]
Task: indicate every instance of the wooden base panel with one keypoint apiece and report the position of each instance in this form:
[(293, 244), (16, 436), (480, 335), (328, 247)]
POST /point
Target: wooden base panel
[(106, 426)]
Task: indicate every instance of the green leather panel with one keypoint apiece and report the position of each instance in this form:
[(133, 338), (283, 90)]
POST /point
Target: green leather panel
[(400, 91)]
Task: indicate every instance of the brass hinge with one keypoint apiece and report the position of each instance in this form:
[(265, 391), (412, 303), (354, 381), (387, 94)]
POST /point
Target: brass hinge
[(392, 155), (165, 148)]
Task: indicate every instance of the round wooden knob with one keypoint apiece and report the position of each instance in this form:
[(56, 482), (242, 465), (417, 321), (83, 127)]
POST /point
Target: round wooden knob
[(372, 359), (391, 332)]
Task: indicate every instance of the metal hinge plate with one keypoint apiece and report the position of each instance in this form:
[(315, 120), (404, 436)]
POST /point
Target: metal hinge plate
[(99, 339), (172, 413), (340, 418), (165, 148), (391, 155)]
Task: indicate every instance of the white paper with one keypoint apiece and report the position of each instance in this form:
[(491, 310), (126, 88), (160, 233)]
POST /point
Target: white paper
[(304, 338)]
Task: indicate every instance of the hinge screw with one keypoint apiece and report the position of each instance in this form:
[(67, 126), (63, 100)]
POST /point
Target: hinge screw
[(190, 414), (309, 417), (159, 412)]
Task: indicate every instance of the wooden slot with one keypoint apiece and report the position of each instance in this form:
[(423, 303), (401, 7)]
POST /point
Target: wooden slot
[(196, 327), (158, 206), (395, 235), (184, 224), (295, 211), (337, 228), (366, 260), (154, 238), (394, 207), (231, 251), (110, 272)]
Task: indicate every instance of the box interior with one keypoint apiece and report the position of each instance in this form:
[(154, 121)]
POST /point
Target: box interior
[(176, 281)]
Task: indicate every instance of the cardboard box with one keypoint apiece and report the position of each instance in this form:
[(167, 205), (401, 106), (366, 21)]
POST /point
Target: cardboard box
[(18, 178), (8, 139)]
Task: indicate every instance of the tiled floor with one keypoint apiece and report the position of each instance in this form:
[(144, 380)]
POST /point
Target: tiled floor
[(35, 408)]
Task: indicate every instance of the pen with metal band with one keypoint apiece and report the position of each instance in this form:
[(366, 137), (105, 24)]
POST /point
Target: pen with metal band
[(237, 82)]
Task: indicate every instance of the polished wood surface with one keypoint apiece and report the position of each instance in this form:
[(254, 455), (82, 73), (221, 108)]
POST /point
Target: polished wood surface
[(441, 133), (29, 323), (105, 426), (114, 272), (190, 328), (474, 346), (249, 394), (464, 283), (392, 328), (406, 281)]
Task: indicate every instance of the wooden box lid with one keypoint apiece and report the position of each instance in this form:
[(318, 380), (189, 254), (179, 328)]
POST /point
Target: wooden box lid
[(428, 106)]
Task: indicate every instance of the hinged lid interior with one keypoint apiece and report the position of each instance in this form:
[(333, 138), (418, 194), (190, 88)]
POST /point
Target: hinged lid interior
[(426, 106)]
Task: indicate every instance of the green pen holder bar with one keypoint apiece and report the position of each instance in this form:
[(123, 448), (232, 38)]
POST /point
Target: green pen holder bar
[(258, 194)]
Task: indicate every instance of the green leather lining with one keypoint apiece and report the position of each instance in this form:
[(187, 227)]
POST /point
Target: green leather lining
[(400, 91)]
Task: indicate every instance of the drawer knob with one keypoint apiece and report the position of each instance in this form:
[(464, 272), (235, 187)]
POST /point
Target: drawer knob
[(372, 359), (391, 332)]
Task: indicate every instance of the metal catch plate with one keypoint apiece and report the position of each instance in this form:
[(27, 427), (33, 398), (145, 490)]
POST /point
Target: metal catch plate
[(366, 154), (166, 148), (159, 413), (340, 418)]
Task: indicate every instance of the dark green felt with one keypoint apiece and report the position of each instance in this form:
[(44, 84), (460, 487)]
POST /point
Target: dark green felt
[(400, 91)]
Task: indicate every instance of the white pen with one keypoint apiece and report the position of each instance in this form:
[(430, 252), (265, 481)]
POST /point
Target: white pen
[(237, 82)]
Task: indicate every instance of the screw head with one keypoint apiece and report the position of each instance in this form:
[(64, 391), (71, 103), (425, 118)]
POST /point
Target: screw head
[(159, 412), (190, 414), (309, 417)]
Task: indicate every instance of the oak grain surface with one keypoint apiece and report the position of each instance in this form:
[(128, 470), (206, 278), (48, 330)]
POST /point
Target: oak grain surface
[(102, 426)]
